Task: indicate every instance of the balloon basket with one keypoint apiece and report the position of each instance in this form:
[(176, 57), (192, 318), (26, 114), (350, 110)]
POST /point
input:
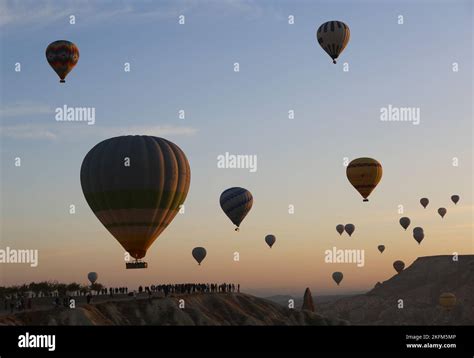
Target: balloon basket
[(136, 265)]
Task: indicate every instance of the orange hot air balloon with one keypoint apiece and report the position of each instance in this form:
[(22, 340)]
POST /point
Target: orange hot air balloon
[(62, 56), (135, 186), (447, 300), (364, 174)]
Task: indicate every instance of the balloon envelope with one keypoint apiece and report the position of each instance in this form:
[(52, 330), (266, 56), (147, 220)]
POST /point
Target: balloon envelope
[(424, 202), (337, 277), (364, 174), (62, 56), (340, 229), (398, 266), (404, 222), (92, 277), (135, 186), (236, 203), (418, 234), (333, 37), (381, 248), (199, 253), (349, 229), (455, 199), (447, 300), (270, 240), (442, 212)]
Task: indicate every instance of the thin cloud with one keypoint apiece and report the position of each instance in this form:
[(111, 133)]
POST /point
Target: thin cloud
[(65, 131), (24, 12), (26, 132), (21, 109)]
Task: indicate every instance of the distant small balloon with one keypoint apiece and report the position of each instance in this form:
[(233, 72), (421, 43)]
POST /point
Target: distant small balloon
[(270, 240), (442, 212), (405, 222), (398, 266), (424, 202), (418, 234), (199, 253), (337, 277), (455, 199), (92, 277), (340, 229), (349, 229), (447, 300), (381, 248)]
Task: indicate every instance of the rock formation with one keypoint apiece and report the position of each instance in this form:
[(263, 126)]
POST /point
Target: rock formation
[(308, 303)]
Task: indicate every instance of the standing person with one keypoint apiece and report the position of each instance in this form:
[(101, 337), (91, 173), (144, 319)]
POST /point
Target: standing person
[(238, 288)]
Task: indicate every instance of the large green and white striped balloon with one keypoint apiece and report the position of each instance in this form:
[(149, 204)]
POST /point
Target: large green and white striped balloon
[(135, 186)]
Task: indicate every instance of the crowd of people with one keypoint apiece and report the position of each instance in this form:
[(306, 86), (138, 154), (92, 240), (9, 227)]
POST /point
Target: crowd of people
[(19, 302), (189, 288)]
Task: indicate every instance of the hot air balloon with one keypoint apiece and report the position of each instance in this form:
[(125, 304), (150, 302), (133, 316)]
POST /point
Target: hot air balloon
[(349, 229), (424, 202), (398, 266), (381, 248), (447, 300), (92, 277), (135, 186), (236, 203), (337, 277), (455, 199), (364, 174), (405, 222), (270, 240), (333, 37), (199, 253), (62, 56), (418, 234), (340, 229), (442, 212)]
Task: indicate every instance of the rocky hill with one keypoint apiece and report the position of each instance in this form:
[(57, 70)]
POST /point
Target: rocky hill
[(419, 286), (199, 309)]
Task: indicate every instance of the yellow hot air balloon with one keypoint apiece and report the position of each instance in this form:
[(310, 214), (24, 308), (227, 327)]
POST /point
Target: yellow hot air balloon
[(447, 300), (364, 174)]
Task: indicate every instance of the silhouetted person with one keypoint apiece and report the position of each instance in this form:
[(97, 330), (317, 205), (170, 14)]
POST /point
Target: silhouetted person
[(238, 288)]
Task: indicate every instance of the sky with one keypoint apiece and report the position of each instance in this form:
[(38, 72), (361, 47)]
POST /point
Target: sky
[(190, 67)]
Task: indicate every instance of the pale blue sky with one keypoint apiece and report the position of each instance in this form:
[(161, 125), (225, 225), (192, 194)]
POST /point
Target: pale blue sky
[(282, 67)]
